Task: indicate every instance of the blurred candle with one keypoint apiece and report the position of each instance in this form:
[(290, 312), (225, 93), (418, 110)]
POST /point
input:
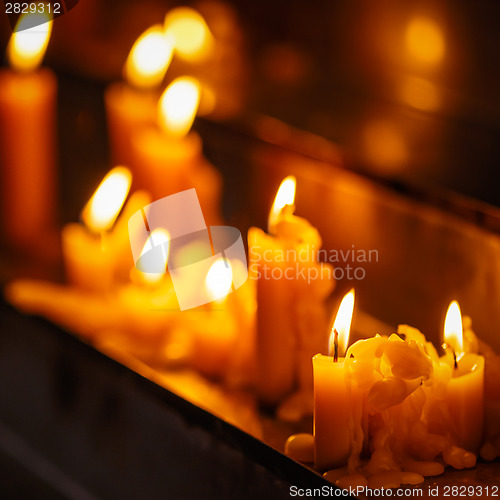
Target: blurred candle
[(132, 105), (215, 334), (291, 321), (27, 142), (465, 392), (169, 155), (88, 253), (332, 395)]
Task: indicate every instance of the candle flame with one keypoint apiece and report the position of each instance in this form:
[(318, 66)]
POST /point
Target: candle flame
[(158, 237), (149, 58), (219, 279), (192, 38), (27, 46), (342, 324), (285, 196), (103, 208), (178, 105), (453, 330)]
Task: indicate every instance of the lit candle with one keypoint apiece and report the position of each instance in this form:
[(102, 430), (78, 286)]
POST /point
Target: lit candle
[(88, 254), (170, 157), (27, 143), (132, 105), (291, 288), (332, 400), (214, 328), (465, 391)]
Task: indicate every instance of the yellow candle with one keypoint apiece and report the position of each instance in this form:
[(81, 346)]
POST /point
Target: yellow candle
[(27, 143), (214, 328), (332, 398), (169, 157), (465, 392), (291, 288), (87, 250), (131, 105)]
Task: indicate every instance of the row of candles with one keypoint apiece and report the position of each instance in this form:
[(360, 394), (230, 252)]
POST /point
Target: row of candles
[(148, 129), (279, 357)]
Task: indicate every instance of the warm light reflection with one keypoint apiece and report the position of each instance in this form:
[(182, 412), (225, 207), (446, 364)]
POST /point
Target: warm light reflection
[(149, 58), (285, 196), (158, 237), (420, 94), (384, 145), (103, 208), (453, 330), (342, 325), (192, 38), (178, 105), (425, 40), (27, 47), (219, 279)]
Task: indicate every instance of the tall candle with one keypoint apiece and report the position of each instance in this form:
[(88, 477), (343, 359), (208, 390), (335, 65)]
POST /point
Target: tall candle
[(291, 288), (169, 156), (465, 392), (27, 141), (88, 254), (332, 401), (131, 105)]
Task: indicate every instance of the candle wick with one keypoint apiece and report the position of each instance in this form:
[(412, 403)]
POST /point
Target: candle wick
[(335, 345), (446, 347), (454, 359)]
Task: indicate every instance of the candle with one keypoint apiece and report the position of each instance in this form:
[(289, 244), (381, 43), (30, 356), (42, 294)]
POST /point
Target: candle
[(291, 288), (332, 398), (27, 143), (132, 105), (214, 327), (87, 250), (170, 155), (465, 391)]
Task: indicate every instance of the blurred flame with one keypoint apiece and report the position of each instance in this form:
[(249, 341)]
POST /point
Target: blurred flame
[(219, 279), (342, 324), (453, 330), (420, 94), (27, 47), (178, 105), (103, 208), (192, 38), (285, 196), (158, 237), (425, 40), (149, 58)]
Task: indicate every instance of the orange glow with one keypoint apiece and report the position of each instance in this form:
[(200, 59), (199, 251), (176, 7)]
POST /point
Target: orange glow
[(219, 279), (192, 38), (420, 94), (453, 330), (425, 40), (178, 105), (27, 47), (103, 208), (158, 237), (284, 197), (384, 145), (149, 58), (342, 324)]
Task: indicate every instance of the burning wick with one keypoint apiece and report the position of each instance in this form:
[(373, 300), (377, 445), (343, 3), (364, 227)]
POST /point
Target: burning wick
[(447, 348), (335, 345)]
